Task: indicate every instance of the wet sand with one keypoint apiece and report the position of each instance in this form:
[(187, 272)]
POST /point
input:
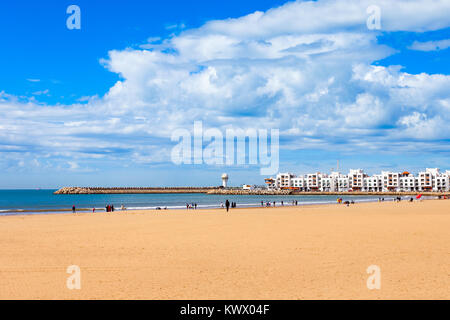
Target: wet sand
[(314, 252)]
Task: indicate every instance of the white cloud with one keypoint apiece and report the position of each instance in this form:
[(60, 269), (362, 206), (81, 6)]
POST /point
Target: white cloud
[(430, 45), (42, 92), (310, 17), (305, 68)]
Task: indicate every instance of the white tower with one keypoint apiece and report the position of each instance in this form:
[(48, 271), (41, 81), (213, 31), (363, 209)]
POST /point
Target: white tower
[(224, 180)]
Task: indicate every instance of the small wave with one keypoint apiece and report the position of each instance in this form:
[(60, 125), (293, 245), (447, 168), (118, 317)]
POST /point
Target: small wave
[(12, 210)]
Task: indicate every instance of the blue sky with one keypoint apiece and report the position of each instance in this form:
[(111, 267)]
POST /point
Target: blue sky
[(39, 45), (97, 106)]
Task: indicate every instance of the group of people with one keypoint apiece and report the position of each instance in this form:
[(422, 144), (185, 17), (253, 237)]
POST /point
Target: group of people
[(108, 208), (191, 206), (228, 205), (347, 203)]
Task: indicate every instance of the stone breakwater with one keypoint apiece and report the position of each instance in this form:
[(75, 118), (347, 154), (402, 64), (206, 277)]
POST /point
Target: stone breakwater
[(130, 190)]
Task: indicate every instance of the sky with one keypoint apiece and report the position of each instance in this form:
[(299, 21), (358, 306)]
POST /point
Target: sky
[(98, 106)]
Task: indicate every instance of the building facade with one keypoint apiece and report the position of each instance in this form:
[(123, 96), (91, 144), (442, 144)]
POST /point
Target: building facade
[(432, 179)]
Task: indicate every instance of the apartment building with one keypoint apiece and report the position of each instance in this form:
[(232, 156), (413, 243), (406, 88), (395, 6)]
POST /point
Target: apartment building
[(314, 181), (356, 180), (373, 183), (425, 181), (283, 180), (407, 182), (299, 183), (270, 183)]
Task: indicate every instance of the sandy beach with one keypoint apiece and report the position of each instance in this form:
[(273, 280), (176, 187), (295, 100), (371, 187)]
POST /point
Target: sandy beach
[(314, 252)]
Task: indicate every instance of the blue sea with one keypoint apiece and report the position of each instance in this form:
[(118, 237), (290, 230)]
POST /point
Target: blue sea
[(44, 201)]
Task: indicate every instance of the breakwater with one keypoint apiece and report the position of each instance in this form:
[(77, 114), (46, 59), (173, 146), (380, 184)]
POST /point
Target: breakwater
[(131, 190)]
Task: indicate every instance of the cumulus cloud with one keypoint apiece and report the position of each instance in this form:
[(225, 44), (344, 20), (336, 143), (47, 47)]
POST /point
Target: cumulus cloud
[(305, 68)]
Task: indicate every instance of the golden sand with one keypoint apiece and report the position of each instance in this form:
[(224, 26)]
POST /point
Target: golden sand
[(316, 252)]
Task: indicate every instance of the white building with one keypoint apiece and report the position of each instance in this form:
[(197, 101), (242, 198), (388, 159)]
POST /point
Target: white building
[(407, 182), (313, 181), (373, 183), (337, 182), (440, 181), (299, 183), (343, 184), (224, 180), (283, 180), (356, 180), (327, 183), (447, 176), (270, 183), (425, 181), (391, 181)]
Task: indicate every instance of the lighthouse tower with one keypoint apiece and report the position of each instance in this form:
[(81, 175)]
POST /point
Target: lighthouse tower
[(224, 180)]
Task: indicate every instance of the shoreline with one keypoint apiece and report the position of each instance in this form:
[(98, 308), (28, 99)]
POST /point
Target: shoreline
[(5, 213)]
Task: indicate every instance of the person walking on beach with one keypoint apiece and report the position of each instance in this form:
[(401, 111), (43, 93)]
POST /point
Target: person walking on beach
[(227, 204), (93, 210), (73, 209)]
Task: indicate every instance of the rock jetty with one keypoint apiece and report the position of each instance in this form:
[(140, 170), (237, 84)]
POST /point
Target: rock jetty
[(131, 190)]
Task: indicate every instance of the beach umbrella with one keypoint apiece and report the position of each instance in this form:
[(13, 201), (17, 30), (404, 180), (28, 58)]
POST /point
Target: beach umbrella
[(419, 196)]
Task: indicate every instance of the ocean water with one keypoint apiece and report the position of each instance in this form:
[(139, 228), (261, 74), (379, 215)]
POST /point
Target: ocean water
[(42, 201)]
